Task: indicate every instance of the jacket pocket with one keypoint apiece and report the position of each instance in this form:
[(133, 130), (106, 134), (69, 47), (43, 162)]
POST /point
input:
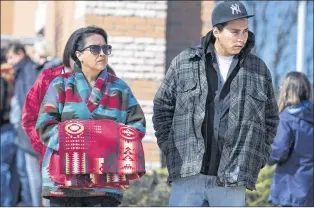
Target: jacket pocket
[(186, 85), (254, 107), (256, 94), (186, 92)]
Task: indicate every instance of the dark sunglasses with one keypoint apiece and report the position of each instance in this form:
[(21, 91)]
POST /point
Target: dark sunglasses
[(95, 49)]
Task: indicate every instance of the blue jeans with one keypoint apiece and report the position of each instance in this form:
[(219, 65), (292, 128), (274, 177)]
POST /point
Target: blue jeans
[(34, 178), (199, 190), (13, 170), (8, 150), (20, 176), (26, 168)]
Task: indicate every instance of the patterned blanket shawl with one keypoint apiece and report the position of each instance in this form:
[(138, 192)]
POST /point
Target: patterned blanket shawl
[(93, 134), (100, 147)]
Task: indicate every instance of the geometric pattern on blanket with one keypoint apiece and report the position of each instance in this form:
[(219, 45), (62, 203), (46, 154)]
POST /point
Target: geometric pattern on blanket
[(100, 147), (83, 180)]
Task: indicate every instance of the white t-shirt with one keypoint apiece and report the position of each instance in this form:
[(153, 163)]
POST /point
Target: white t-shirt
[(224, 63)]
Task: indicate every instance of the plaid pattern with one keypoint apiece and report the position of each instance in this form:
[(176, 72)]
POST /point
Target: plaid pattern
[(32, 105), (70, 97), (179, 111)]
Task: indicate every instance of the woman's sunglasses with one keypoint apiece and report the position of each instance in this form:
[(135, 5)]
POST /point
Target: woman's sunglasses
[(95, 49)]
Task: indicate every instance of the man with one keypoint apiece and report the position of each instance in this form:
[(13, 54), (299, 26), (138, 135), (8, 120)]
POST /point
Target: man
[(27, 158), (215, 114)]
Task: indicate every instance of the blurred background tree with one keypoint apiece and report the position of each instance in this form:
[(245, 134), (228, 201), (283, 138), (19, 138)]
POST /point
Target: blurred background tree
[(151, 190), (275, 28), (259, 197)]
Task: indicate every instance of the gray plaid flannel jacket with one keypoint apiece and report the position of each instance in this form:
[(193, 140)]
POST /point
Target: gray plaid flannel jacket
[(179, 111)]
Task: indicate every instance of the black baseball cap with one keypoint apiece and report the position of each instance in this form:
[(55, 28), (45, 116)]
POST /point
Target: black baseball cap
[(227, 11)]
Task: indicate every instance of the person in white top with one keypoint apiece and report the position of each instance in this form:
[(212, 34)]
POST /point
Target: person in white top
[(224, 63), (215, 114)]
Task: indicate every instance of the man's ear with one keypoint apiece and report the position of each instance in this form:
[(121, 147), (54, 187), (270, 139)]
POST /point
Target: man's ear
[(215, 32)]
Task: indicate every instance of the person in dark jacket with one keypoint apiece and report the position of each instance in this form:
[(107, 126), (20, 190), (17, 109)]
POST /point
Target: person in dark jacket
[(215, 114), (293, 147), (8, 148), (26, 158)]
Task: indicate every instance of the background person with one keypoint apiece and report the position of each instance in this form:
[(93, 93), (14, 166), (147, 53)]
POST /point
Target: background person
[(292, 150)]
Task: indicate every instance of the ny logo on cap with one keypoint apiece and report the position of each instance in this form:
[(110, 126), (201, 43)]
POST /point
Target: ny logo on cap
[(235, 8)]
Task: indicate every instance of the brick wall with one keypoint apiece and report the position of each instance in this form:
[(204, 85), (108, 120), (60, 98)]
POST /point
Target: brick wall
[(129, 26)]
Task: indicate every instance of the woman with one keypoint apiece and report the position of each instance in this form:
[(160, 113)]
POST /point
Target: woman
[(92, 126), (37, 93), (292, 149)]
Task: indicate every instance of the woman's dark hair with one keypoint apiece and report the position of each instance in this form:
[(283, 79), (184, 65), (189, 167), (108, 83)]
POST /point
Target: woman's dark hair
[(79, 37), (295, 89), (67, 52)]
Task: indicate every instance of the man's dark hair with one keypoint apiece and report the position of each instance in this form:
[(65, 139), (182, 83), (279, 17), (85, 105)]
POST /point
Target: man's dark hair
[(3, 56), (221, 26), (79, 37), (16, 46)]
